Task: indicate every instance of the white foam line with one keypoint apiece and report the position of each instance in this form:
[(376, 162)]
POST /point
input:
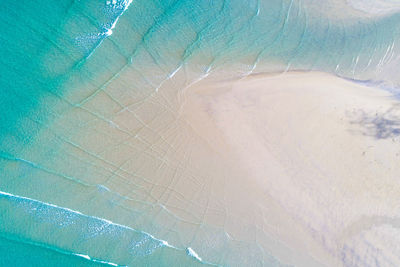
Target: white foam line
[(170, 76), (193, 253), (48, 204), (94, 260), (109, 31), (83, 256), (189, 250), (126, 5), (165, 243)]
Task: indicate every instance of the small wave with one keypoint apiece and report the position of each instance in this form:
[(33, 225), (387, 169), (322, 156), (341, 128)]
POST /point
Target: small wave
[(193, 253), (128, 241)]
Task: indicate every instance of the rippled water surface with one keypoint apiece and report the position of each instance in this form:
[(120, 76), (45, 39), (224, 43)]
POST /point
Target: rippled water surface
[(93, 151)]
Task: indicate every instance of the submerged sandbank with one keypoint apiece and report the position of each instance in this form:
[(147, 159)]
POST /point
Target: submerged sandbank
[(296, 168)]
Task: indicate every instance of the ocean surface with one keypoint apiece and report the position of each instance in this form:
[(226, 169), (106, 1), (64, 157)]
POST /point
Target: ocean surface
[(67, 67)]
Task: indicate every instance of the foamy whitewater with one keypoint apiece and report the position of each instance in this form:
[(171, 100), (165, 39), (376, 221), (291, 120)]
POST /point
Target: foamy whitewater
[(199, 132)]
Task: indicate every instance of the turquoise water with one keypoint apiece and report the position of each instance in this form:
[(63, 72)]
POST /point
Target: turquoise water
[(16, 253), (58, 56), (55, 233)]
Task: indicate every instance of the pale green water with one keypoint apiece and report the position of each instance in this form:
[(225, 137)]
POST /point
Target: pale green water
[(56, 55)]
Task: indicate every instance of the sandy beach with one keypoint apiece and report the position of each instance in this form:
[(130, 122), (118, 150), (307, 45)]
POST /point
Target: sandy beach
[(318, 156), (297, 168)]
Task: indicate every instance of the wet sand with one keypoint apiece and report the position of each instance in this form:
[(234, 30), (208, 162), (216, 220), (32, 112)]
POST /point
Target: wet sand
[(296, 168)]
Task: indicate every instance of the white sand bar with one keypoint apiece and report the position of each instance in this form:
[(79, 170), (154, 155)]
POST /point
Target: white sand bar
[(302, 168), (321, 157)]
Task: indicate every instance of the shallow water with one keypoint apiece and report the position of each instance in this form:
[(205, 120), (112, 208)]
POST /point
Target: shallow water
[(80, 123)]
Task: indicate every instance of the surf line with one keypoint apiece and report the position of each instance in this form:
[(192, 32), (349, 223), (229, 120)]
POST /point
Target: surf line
[(189, 251)]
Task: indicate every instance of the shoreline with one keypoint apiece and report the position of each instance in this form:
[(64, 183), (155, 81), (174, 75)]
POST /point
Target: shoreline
[(280, 166)]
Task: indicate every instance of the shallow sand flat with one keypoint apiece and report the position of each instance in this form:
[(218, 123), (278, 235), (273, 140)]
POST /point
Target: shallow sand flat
[(325, 149), (298, 168), (376, 7), (127, 137)]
